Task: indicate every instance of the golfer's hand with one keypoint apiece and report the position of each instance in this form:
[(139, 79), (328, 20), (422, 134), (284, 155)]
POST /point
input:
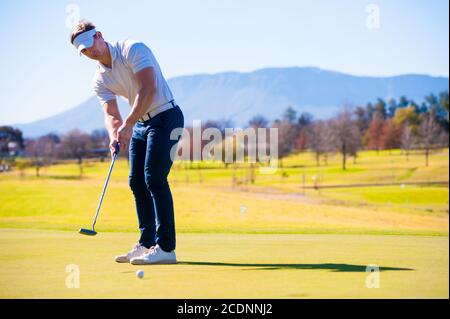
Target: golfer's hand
[(112, 146), (124, 135)]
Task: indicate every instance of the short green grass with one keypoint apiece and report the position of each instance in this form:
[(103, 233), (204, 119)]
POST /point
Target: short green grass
[(403, 197), (34, 264)]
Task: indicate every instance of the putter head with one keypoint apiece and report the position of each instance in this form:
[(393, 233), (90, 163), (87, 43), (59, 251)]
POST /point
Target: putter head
[(87, 232)]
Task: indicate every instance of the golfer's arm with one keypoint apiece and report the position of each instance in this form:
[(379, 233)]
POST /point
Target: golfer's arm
[(113, 119), (145, 80)]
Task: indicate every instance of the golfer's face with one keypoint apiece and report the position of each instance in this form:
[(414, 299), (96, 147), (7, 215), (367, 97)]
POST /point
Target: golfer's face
[(94, 52)]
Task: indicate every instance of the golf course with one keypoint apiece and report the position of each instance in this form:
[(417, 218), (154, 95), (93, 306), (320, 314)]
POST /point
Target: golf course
[(306, 231)]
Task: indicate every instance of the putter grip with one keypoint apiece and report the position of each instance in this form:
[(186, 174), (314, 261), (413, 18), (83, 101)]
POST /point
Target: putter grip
[(117, 148)]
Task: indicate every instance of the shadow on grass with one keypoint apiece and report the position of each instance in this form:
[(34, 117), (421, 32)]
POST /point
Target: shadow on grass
[(331, 267)]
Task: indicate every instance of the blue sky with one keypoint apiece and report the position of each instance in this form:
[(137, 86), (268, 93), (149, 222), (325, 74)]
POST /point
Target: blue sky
[(42, 75)]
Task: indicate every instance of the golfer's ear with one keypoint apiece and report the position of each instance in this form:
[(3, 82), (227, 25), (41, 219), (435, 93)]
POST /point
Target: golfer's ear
[(145, 79), (98, 35)]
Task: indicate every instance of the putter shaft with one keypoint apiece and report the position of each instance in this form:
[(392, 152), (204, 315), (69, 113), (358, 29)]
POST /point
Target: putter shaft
[(104, 189)]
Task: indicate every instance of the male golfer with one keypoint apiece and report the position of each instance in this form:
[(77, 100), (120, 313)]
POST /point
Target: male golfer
[(129, 69)]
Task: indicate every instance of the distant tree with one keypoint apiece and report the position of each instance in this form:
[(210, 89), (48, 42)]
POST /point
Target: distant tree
[(304, 122), (301, 140), (403, 102), (423, 108), (375, 131), (443, 97), (432, 101), (370, 110), (380, 108), (443, 139), (437, 106), (41, 151), (305, 119), (99, 142), (391, 108), (362, 121), (75, 144), (317, 137), (443, 110), (429, 132), (407, 116), (408, 140), (345, 137), (10, 138), (415, 107), (290, 115), (287, 134), (258, 121), (51, 143), (220, 125), (100, 138), (444, 101), (391, 135), (21, 163)]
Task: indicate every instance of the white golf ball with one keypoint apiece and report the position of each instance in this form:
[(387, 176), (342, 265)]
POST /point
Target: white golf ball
[(140, 274)]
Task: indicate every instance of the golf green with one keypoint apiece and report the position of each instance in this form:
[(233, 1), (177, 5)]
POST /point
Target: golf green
[(63, 264)]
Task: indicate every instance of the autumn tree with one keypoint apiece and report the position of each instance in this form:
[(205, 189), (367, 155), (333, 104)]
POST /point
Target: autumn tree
[(391, 135), (305, 120), (407, 116), (375, 131)]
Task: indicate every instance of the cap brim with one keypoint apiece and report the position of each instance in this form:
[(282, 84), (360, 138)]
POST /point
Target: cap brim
[(83, 46), (84, 40)]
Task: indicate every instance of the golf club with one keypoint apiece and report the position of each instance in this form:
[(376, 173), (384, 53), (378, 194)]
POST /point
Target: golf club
[(92, 232)]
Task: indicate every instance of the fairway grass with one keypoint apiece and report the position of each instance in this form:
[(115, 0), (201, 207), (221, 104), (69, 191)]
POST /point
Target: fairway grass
[(62, 205), (225, 266)]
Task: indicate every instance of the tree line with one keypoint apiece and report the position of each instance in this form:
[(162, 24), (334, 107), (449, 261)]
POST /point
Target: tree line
[(47, 149), (379, 125)]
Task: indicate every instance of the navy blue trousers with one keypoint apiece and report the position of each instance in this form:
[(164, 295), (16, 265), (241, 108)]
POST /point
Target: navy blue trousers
[(150, 163)]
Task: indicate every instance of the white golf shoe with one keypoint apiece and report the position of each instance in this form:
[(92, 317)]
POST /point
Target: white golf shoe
[(136, 251), (155, 255)]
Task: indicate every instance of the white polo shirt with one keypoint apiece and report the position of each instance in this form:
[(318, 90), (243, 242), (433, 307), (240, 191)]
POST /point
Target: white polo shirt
[(129, 57)]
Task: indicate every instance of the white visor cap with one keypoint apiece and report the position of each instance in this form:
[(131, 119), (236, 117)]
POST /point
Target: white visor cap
[(84, 40)]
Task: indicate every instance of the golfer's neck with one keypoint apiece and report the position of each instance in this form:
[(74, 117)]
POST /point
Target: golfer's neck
[(106, 58)]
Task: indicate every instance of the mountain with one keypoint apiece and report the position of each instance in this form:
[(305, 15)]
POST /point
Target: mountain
[(239, 96), (87, 116)]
